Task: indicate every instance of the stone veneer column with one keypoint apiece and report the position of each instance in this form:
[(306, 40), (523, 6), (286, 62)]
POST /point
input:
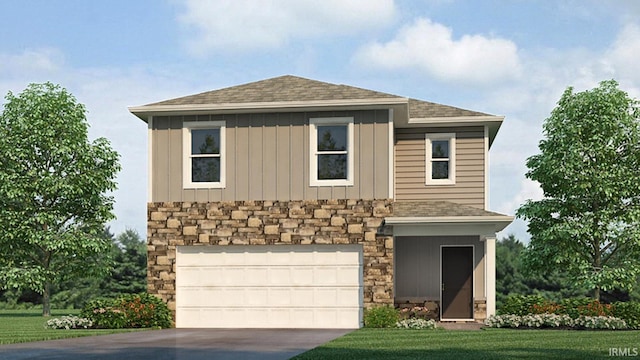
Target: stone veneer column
[(172, 224)]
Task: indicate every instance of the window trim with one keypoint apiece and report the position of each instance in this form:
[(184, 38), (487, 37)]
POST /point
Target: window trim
[(187, 126), (313, 151), (451, 137)]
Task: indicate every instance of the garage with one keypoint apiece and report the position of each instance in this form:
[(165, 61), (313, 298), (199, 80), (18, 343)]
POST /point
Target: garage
[(269, 286)]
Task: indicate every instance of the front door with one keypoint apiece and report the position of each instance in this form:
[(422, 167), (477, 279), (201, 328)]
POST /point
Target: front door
[(457, 282)]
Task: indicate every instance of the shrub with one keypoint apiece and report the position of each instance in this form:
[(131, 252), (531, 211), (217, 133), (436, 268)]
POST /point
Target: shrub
[(104, 314), (68, 322), (520, 304), (554, 321), (381, 317), (128, 311), (629, 311), (416, 323)]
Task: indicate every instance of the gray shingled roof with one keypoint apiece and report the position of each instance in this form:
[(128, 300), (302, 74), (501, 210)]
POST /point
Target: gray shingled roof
[(290, 88), (437, 209), (425, 109), (279, 89)]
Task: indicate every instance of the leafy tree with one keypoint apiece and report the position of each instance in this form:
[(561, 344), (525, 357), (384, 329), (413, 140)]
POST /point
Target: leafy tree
[(513, 278), (53, 185), (587, 223)]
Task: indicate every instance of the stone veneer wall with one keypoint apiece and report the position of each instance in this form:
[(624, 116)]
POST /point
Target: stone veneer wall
[(172, 224)]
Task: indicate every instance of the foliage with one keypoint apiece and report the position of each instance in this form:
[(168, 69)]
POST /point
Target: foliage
[(127, 276), (629, 311), (416, 324), (129, 273), (512, 278), (381, 317), (128, 311), (104, 313), (574, 307), (520, 304), (556, 320), (53, 185), (587, 224), (68, 322)]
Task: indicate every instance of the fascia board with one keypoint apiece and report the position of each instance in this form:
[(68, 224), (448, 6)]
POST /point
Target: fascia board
[(500, 221), (144, 111)]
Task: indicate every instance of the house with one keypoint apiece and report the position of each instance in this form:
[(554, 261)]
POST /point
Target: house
[(292, 203)]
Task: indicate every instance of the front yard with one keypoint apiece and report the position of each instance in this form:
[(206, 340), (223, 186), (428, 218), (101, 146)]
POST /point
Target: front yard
[(484, 344), (18, 326)]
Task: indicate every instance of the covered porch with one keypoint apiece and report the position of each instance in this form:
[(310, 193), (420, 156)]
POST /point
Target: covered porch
[(444, 258)]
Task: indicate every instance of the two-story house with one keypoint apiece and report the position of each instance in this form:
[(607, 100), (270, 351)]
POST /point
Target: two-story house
[(293, 203)]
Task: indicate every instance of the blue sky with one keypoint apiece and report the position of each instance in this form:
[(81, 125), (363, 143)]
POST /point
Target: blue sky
[(511, 58)]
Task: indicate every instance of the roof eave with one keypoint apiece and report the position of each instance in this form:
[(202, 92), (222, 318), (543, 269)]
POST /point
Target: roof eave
[(143, 112), (492, 121), (500, 221)]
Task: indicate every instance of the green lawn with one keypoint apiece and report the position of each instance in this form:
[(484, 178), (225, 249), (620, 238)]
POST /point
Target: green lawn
[(485, 344), (28, 325)]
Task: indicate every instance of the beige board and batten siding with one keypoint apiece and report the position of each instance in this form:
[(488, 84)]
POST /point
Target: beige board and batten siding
[(267, 158), (410, 166), (417, 266)]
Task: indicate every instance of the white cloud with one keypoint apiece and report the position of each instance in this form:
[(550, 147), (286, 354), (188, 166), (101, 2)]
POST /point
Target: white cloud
[(430, 48), (31, 61), (230, 25), (622, 56)]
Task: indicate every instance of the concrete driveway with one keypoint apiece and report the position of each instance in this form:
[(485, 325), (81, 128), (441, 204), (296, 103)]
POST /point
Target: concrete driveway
[(188, 344)]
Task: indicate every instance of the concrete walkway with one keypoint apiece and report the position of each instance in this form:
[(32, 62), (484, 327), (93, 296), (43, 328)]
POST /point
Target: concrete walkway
[(187, 344), (450, 325)]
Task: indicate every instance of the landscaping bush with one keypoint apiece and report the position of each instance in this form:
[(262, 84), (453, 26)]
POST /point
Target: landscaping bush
[(128, 311), (381, 317), (104, 313), (629, 311), (68, 322), (520, 304), (535, 321), (416, 324)]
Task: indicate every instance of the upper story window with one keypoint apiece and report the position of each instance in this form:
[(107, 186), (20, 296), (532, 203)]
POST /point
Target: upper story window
[(331, 151), (204, 154), (441, 159)]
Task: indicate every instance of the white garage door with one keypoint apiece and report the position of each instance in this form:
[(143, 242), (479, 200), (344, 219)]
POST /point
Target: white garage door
[(281, 286)]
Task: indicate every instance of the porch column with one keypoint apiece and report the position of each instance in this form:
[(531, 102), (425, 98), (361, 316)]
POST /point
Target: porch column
[(490, 273)]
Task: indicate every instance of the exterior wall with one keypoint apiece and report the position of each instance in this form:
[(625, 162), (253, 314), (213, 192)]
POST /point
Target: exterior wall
[(420, 257), (267, 158), (172, 224), (410, 166)]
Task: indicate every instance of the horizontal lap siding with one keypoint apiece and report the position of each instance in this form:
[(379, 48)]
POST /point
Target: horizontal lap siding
[(411, 166), (267, 158)]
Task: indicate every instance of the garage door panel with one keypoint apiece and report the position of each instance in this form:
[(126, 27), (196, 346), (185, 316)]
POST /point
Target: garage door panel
[(294, 286)]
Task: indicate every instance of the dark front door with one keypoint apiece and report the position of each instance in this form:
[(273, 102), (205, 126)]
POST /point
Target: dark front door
[(457, 282)]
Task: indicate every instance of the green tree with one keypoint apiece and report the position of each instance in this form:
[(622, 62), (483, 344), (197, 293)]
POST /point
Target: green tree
[(587, 223), (129, 275), (53, 191)]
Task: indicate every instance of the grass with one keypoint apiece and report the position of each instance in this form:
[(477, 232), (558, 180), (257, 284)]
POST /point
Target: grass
[(17, 326), (485, 344)]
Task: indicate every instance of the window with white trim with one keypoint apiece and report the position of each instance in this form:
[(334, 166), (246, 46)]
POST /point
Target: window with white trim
[(441, 159), (331, 151), (203, 154)]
